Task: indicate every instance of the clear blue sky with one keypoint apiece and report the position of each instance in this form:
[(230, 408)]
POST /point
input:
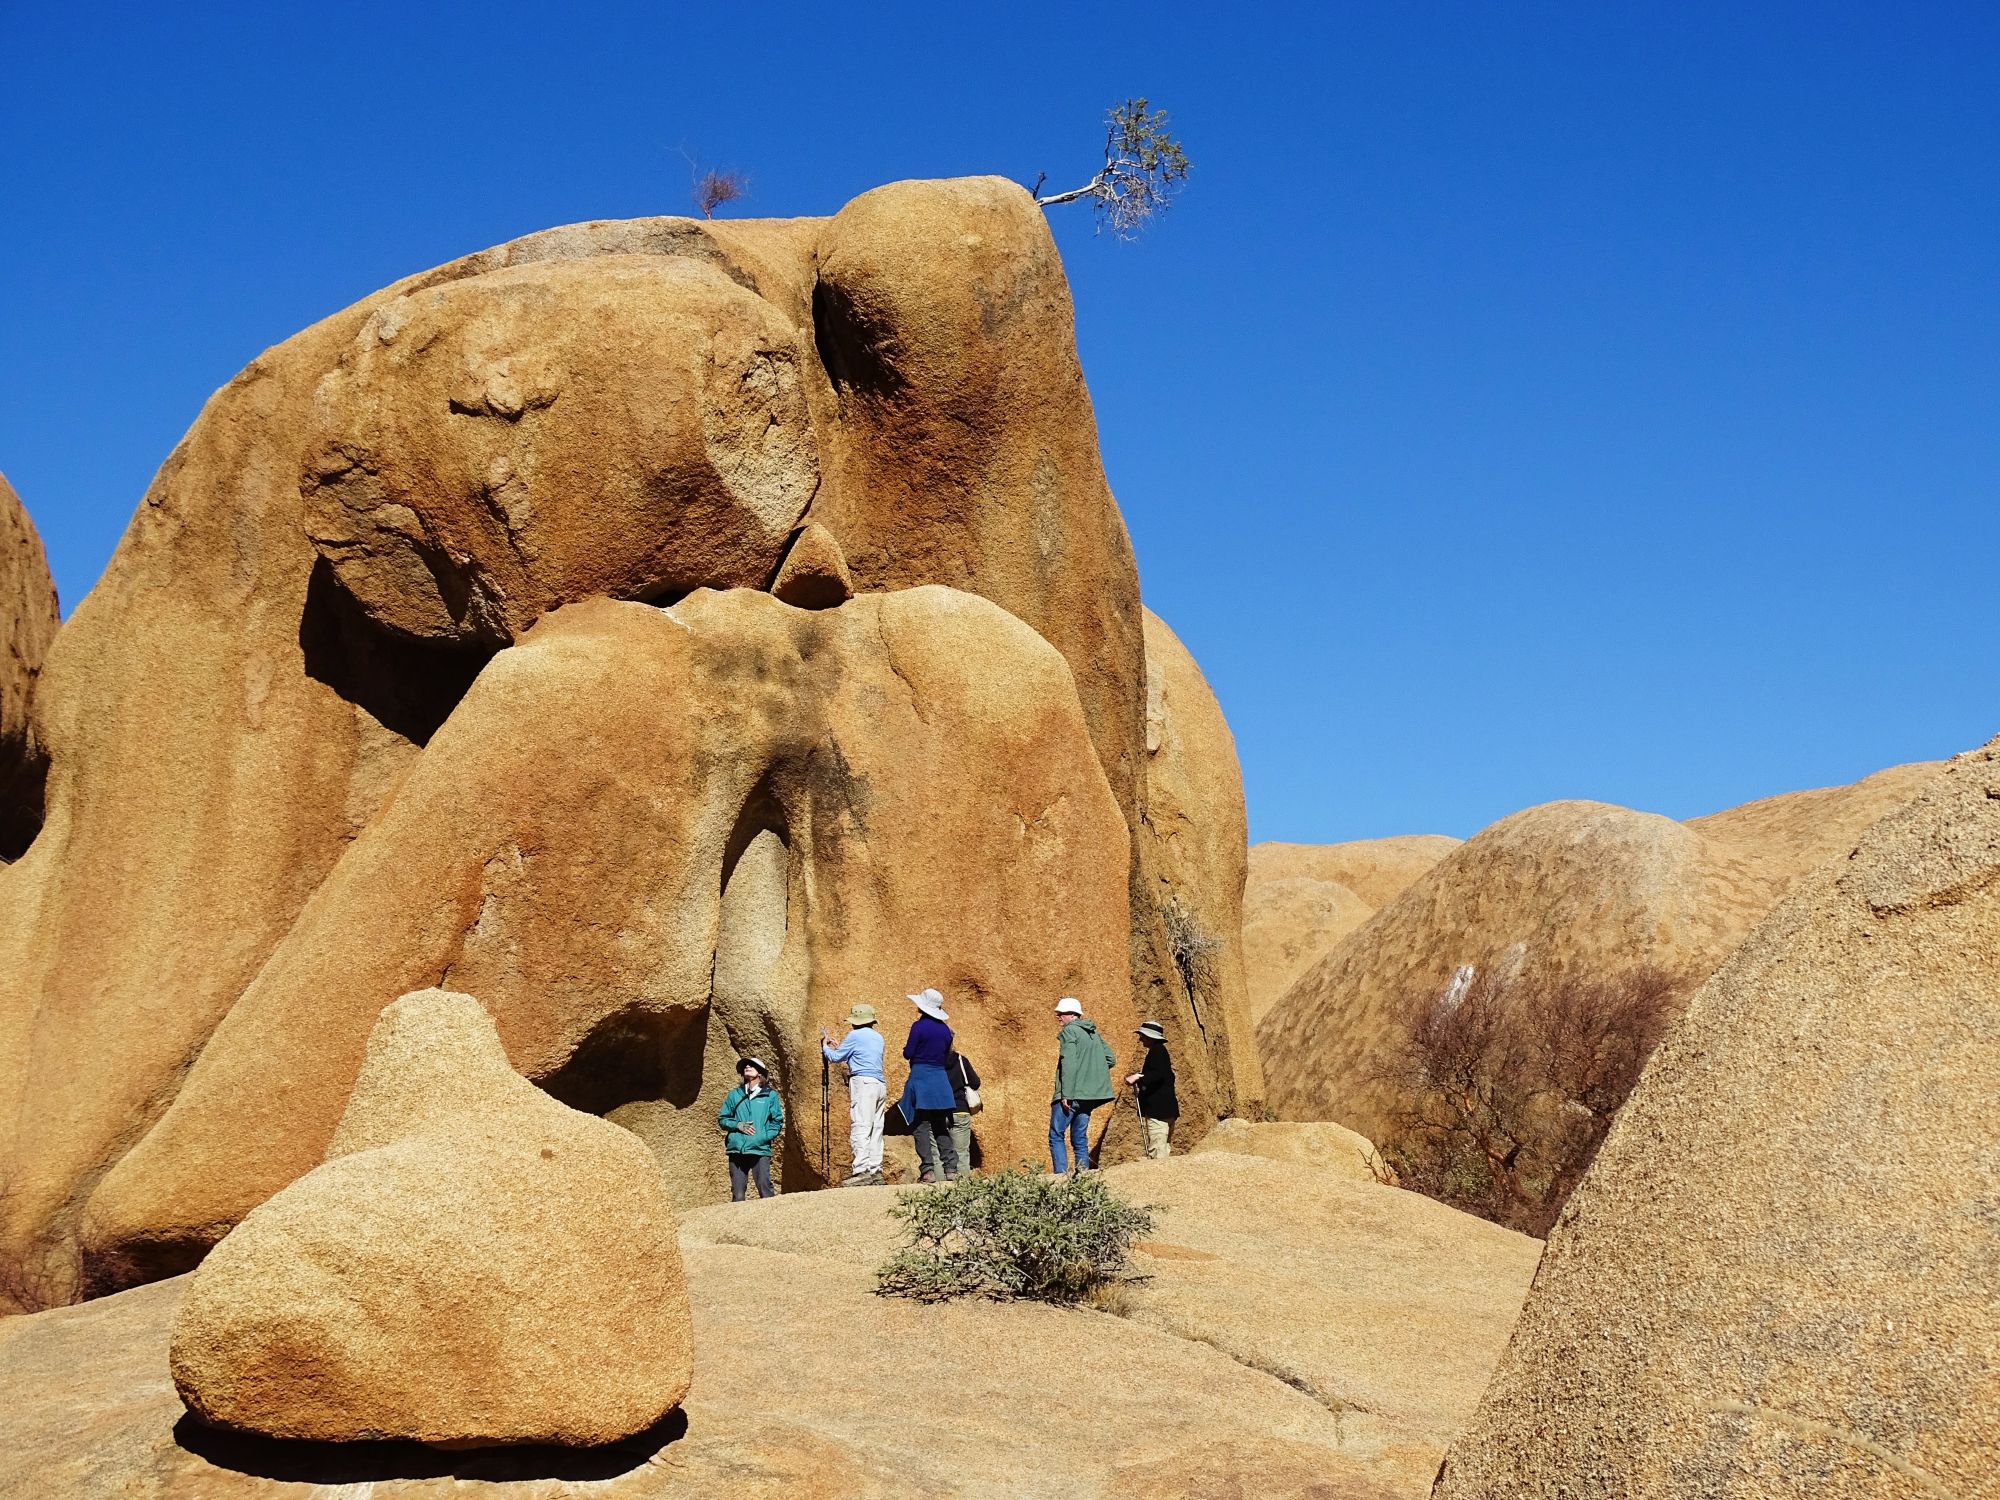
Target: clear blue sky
[(1524, 401)]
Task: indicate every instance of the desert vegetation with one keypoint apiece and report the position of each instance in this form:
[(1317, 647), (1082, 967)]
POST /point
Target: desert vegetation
[(1144, 166), (1012, 1235), (1508, 1083)]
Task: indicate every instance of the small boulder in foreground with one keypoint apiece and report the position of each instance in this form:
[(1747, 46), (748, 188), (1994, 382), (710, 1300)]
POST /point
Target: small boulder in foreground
[(474, 1264)]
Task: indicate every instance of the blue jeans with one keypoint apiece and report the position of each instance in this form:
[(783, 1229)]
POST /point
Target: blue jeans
[(1076, 1124)]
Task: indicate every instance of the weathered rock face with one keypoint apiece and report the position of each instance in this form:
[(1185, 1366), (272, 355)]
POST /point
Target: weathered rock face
[(1787, 836), (1566, 891), (1777, 1278), (1197, 843), (474, 1264), (1300, 900), (780, 811), (28, 621), (489, 449), (1302, 1333), (889, 398)]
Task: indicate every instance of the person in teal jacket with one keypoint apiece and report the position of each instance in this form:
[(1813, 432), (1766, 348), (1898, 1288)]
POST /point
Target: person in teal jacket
[(1083, 1081), (752, 1118)]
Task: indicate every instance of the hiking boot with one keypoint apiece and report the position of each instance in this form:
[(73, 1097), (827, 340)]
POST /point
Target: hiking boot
[(926, 1177)]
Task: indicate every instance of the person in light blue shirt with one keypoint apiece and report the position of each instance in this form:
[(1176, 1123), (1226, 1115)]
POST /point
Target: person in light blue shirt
[(867, 1093)]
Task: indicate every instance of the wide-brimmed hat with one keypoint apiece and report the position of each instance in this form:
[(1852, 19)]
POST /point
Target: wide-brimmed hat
[(751, 1062), (931, 1003), (1152, 1031), (1069, 1007), (861, 1015)]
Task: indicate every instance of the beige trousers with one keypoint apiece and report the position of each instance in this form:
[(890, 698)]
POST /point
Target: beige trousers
[(1156, 1138)]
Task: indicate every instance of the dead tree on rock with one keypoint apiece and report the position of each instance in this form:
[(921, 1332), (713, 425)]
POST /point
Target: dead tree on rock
[(709, 188), (713, 189), (1144, 166)]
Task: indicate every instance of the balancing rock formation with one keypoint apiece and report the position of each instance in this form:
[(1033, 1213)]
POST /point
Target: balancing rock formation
[(1777, 1277), (475, 1263), (778, 801), (28, 620), (362, 705)]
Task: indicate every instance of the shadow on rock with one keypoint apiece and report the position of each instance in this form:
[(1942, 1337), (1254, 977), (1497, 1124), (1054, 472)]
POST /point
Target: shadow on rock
[(302, 1462)]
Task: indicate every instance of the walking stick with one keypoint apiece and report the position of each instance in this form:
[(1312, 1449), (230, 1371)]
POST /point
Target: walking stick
[(825, 1121)]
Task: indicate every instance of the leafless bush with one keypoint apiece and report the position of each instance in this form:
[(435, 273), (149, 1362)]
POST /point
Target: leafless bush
[(712, 189), (1193, 948), (1506, 1085), (35, 1277)]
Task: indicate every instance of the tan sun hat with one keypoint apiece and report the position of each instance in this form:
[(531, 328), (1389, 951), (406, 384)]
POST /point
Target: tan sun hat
[(861, 1015)]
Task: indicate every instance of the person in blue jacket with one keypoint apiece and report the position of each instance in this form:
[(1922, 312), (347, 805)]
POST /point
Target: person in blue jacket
[(928, 1101), (752, 1118)]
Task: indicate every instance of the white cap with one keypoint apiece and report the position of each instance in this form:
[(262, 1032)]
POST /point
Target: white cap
[(931, 1003), (1069, 1007)]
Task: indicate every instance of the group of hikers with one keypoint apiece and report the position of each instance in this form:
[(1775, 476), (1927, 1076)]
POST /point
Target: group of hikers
[(942, 1095)]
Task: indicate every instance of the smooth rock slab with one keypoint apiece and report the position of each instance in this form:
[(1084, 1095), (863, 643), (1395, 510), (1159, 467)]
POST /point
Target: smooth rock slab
[(1388, 1306)]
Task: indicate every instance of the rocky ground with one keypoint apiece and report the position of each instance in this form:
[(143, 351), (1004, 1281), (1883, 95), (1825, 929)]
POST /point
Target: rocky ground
[(1301, 1330)]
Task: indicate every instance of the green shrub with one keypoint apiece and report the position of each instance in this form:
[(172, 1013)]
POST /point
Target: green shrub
[(1012, 1234)]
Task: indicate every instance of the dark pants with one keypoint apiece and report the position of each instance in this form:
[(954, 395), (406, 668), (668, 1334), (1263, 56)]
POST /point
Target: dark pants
[(742, 1169), (933, 1133)]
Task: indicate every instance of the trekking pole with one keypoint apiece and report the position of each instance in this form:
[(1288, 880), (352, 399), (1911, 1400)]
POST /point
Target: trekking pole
[(825, 1120)]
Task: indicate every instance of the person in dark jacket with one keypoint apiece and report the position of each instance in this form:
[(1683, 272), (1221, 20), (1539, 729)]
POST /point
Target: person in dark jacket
[(928, 1103), (1154, 1086), (752, 1118), (964, 1089)]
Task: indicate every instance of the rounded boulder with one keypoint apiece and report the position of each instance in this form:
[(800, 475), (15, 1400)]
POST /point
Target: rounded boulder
[(474, 1264)]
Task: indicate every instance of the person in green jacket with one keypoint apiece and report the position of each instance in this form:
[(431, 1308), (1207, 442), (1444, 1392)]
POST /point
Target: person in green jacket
[(1083, 1081), (752, 1118)]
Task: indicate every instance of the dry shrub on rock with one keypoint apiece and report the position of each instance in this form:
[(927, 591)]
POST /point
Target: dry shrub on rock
[(712, 189), (1012, 1234), (1510, 1083)]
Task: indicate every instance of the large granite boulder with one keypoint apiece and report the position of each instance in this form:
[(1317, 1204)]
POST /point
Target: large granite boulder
[(28, 621), (1542, 960), (744, 816), (358, 522), (1569, 888), (1777, 1278), (474, 1264), (489, 449)]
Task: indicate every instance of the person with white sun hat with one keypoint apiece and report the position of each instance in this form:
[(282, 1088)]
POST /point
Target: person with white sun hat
[(1083, 1081), (928, 1102)]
